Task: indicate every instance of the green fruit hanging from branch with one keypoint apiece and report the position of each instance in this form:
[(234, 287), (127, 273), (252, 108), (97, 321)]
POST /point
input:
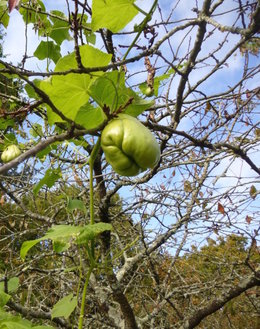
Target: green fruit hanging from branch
[(10, 153), (129, 146)]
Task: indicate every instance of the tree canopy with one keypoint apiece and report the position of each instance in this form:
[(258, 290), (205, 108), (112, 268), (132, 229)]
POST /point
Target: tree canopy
[(169, 241)]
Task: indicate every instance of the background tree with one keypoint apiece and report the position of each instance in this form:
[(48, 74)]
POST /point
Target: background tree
[(175, 246)]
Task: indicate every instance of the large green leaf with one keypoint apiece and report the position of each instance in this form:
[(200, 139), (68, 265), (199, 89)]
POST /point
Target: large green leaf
[(64, 307), (70, 92), (57, 233), (112, 14), (48, 49), (65, 233)]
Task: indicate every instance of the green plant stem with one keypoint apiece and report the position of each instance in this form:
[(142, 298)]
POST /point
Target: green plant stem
[(92, 158), (142, 26), (84, 297), (139, 9)]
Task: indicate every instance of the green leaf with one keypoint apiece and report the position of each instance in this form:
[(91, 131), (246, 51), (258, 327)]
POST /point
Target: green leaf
[(110, 90), (12, 285), (90, 57), (26, 246), (90, 37), (50, 177), (59, 233), (36, 130), (11, 321), (10, 139), (48, 49), (37, 17), (89, 232), (70, 92), (90, 117), (112, 14), (139, 104), (41, 155), (64, 307), (76, 204), (62, 231), (61, 245), (4, 14), (4, 123), (60, 29), (4, 298), (30, 90)]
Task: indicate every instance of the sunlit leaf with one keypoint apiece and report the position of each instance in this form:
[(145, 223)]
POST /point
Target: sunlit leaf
[(112, 14), (69, 92)]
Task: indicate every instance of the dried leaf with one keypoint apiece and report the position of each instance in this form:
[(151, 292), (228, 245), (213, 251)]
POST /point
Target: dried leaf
[(163, 187), (187, 186), (221, 209), (208, 107), (257, 132), (2, 200), (253, 192), (248, 219)]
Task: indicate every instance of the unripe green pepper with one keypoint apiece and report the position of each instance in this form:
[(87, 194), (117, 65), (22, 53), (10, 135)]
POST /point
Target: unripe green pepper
[(10, 153), (129, 146)]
